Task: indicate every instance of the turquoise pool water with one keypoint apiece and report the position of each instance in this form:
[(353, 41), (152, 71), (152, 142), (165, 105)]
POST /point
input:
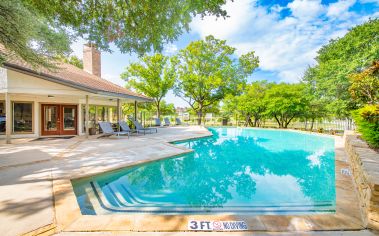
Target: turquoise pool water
[(236, 171)]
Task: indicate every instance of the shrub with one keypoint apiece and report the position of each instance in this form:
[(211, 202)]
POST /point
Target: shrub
[(367, 120)]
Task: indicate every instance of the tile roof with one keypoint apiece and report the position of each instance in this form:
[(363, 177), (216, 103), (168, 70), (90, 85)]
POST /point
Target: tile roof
[(72, 76)]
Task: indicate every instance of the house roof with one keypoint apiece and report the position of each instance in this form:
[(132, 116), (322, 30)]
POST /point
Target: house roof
[(72, 76)]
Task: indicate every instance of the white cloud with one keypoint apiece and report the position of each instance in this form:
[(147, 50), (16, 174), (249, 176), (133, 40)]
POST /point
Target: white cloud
[(340, 8), (306, 9), (239, 17), (286, 46), (170, 49)]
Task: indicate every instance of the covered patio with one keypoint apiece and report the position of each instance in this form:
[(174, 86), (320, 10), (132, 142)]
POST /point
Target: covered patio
[(64, 101)]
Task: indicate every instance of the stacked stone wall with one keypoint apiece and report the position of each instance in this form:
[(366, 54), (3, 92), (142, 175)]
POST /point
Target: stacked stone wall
[(364, 163)]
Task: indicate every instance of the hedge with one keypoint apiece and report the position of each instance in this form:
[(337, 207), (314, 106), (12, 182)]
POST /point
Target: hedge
[(367, 121)]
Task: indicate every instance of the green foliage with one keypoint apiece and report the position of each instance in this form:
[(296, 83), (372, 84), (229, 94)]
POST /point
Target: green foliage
[(367, 120), (73, 60), (340, 58), (133, 26), (285, 102), (315, 107), (206, 73), (166, 109), (250, 103), (36, 30), (152, 76), (365, 85), (29, 36)]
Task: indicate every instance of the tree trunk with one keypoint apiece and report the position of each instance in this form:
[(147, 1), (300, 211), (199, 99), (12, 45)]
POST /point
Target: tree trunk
[(158, 112), (199, 116), (248, 121), (288, 121), (277, 120), (158, 109), (256, 123), (313, 121)]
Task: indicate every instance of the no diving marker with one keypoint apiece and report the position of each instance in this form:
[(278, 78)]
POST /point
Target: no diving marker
[(211, 225)]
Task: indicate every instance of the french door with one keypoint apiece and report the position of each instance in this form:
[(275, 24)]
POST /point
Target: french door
[(59, 119)]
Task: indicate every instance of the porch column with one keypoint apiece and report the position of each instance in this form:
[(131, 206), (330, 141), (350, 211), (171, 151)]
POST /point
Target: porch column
[(118, 114), (87, 117), (135, 110), (8, 120)]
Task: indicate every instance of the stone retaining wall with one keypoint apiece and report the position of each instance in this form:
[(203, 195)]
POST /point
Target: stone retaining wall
[(364, 163)]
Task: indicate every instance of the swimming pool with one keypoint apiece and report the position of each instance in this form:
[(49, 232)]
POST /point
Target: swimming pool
[(236, 171)]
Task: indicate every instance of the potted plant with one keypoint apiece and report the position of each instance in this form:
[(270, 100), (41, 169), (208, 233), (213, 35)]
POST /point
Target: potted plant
[(92, 130)]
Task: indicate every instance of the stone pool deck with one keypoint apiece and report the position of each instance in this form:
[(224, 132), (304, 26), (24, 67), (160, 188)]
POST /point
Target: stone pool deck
[(36, 195)]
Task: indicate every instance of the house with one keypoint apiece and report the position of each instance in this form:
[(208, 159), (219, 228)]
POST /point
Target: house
[(35, 103)]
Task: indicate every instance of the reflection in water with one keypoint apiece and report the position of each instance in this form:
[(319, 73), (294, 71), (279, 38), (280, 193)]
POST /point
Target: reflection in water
[(234, 168)]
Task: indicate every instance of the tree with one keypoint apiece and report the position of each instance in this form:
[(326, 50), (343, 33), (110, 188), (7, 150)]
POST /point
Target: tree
[(249, 104), (340, 58), (365, 85), (285, 102), (206, 72), (252, 103), (314, 109), (133, 26), (166, 109), (316, 105), (73, 60), (29, 36), (152, 76)]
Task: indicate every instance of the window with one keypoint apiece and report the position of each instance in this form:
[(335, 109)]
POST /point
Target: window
[(22, 117), (99, 113)]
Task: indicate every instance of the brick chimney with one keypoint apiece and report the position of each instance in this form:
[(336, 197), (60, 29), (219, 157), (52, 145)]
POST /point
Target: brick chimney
[(91, 59)]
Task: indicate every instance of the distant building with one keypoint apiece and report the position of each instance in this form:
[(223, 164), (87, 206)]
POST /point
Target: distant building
[(183, 113), (180, 111)]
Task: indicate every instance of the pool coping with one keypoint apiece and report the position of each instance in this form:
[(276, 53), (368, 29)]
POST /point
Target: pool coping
[(347, 216)]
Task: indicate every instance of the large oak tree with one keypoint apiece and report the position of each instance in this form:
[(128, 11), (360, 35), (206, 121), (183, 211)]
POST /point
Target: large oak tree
[(152, 76), (206, 71), (284, 102), (37, 30)]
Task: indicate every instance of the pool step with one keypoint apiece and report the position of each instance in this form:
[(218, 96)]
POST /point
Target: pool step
[(128, 204)]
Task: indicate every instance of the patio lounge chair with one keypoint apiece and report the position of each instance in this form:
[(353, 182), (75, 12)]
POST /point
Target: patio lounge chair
[(167, 121), (125, 127), (179, 122), (157, 122), (107, 129), (141, 129)]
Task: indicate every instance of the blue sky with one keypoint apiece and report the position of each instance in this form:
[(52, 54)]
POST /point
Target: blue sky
[(284, 34)]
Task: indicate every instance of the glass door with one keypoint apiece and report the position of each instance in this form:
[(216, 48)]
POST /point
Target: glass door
[(59, 119), (50, 120), (69, 117)]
